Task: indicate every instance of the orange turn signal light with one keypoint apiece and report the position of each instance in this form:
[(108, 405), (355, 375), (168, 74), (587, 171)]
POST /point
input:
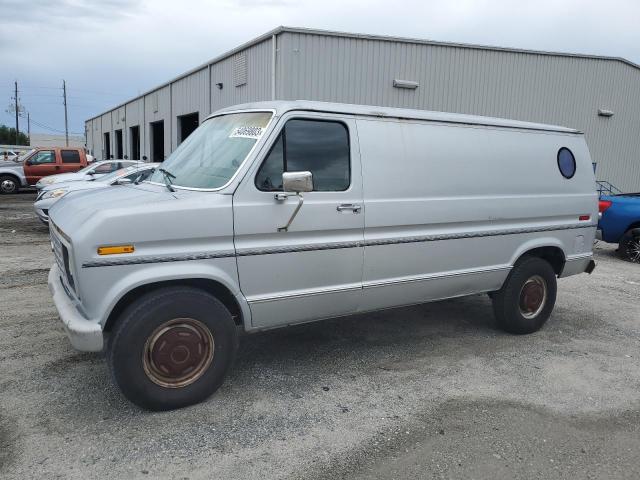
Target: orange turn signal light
[(115, 249)]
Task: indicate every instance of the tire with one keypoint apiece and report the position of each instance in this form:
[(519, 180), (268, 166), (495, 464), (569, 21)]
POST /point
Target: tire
[(629, 246), (519, 312), (8, 184), (147, 351)]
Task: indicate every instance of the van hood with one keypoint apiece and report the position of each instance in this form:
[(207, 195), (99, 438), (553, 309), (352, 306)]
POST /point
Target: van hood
[(82, 207)]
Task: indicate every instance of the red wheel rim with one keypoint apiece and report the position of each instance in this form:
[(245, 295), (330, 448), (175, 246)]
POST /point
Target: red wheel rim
[(533, 296), (178, 352)]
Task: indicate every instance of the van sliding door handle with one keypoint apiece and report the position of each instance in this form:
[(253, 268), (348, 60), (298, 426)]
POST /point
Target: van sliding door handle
[(349, 207)]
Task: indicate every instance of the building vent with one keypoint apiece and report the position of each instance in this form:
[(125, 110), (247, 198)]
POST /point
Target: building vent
[(240, 69), (411, 85)]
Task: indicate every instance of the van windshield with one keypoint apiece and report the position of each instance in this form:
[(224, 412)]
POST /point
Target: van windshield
[(212, 154)]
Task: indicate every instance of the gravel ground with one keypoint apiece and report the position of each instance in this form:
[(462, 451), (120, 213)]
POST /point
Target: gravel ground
[(432, 391)]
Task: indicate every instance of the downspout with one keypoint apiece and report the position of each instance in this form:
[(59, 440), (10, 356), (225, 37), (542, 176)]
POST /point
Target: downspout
[(274, 49), (210, 94)]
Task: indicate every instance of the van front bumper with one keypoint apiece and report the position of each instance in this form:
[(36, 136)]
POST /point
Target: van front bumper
[(84, 334)]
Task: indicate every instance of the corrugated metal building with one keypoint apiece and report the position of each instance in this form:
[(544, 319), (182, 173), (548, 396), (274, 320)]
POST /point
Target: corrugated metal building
[(598, 95)]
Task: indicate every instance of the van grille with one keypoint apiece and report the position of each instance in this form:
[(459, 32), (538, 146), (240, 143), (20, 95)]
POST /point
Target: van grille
[(61, 254)]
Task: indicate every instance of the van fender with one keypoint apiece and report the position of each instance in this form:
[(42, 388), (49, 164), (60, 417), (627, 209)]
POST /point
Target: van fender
[(537, 243), (162, 272)]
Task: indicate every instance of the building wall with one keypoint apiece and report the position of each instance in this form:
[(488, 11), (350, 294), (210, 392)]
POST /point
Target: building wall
[(544, 88), (157, 106), (257, 75), (134, 115), (533, 86), (189, 95)]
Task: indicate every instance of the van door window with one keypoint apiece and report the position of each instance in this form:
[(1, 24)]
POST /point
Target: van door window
[(42, 157), (318, 146)]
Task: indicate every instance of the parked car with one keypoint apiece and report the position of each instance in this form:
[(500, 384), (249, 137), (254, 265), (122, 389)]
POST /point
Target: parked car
[(620, 223), (38, 163), (11, 177), (7, 155), (355, 209), (90, 172), (51, 194), (52, 161)]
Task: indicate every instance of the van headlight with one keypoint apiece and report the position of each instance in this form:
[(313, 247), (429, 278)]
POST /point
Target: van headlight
[(57, 193)]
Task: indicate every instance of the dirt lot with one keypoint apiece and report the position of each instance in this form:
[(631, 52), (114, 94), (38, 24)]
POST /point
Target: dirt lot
[(433, 391)]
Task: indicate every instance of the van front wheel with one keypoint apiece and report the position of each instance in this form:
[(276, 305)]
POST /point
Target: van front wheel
[(172, 348), (527, 297)]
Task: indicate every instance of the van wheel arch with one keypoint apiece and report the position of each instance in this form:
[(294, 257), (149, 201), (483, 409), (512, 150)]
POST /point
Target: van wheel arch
[(552, 255), (217, 289)]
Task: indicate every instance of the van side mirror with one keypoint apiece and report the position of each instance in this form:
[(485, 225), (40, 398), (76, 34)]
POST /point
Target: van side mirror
[(296, 182), (27, 163)]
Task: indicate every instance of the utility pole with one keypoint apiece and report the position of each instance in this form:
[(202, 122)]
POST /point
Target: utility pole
[(29, 127), (17, 111), (66, 125)]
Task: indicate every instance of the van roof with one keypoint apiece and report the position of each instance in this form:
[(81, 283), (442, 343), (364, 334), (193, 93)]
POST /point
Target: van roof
[(281, 107)]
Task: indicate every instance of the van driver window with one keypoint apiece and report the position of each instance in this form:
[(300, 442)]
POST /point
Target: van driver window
[(320, 147)]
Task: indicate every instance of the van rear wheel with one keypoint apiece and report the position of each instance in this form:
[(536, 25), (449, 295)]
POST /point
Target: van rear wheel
[(525, 301), (172, 348)]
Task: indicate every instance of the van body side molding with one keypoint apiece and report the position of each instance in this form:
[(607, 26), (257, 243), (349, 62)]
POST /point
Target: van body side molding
[(327, 246)]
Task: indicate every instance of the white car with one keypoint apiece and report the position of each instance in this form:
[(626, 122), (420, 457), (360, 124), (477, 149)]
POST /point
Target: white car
[(90, 172), (51, 194), (9, 155)]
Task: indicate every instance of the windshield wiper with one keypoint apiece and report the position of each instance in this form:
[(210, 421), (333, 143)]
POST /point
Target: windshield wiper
[(167, 179)]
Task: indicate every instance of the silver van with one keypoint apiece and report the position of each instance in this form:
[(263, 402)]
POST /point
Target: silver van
[(277, 213)]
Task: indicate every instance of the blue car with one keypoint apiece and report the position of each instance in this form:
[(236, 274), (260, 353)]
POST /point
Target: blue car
[(620, 223)]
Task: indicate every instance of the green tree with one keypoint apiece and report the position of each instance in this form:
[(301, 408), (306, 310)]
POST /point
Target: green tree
[(8, 136)]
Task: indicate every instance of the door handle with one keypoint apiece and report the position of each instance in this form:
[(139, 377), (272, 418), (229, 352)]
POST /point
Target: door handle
[(349, 207)]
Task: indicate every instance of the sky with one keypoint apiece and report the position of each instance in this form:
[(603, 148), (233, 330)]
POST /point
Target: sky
[(111, 50)]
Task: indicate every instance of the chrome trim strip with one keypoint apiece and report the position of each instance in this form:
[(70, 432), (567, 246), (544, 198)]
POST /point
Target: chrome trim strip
[(435, 276), (324, 246), (422, 278), (310, 293), (157, 259)]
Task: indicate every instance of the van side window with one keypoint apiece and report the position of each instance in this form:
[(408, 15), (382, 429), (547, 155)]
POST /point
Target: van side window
[(318, 146), (70, 156)]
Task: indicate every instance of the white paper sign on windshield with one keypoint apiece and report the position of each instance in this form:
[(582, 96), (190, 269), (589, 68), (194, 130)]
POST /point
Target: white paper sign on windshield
[(247, 132)]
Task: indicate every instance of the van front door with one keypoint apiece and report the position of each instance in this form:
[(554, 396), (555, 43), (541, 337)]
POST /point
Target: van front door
[(314, 269)]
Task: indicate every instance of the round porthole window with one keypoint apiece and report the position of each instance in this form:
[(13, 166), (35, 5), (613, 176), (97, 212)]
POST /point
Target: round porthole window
[(566, 162)]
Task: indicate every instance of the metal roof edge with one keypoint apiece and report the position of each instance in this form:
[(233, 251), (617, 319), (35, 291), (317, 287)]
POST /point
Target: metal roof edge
[(364, 36), (390, 38)]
